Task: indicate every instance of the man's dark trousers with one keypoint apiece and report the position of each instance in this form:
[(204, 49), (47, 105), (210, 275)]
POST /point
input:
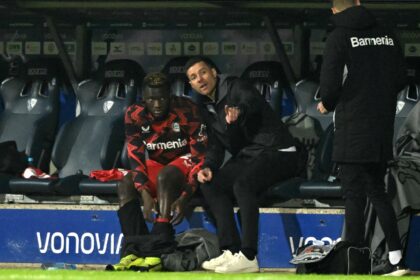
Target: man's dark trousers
[(361, 181)]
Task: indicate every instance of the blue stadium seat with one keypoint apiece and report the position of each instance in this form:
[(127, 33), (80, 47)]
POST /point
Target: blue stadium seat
[(323, 184), (307, 97), (95, 138), (30, 116), (407, 99), (315, 132), (128, 75), (4, 73), (270, 80)]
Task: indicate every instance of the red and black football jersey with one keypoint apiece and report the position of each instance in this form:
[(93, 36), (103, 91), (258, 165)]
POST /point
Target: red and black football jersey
[(182, 132)]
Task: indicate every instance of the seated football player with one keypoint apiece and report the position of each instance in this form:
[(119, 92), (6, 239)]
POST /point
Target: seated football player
[(166, 142)]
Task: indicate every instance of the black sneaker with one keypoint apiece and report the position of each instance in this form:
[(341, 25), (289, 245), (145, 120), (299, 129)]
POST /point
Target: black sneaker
[(398, 269)]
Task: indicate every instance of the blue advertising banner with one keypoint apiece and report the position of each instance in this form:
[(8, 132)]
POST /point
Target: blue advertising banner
[(413, 246), (94, 237), (85, 235), (282, 232), (72, 236)]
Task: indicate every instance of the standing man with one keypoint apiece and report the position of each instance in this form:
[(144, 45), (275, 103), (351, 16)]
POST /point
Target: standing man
[(240, 121), (170, 131), (364, 103)]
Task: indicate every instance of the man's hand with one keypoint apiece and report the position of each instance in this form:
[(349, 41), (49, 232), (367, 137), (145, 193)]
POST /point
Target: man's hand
[(148, 206), (232, 114), (177, 209), (321, 108), (204, 175)]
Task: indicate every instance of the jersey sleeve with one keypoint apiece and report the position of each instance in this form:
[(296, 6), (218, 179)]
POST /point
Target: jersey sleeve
[(136, 147)]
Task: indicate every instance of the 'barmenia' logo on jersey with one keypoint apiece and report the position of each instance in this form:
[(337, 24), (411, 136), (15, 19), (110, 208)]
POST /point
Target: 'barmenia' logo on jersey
[(378, 41), (166, 145)]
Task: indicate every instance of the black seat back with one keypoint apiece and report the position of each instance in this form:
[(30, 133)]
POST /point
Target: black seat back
[(308, 132), (175, 71), (406, 101), (324, 183), (305, 91), (408, 136), (95, 138), (31, 106), (307, 98), (4, 73), (270, 80)]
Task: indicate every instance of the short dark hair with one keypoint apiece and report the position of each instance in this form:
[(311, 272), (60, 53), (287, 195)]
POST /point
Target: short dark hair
[(156, 80), (196, 59)]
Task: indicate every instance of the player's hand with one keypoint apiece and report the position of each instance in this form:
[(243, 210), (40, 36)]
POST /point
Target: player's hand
[(204, 175), (232, 114), (177, 209), (148, 206), (320, 107)]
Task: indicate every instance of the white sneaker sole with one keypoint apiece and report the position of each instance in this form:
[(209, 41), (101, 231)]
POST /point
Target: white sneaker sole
[(400, 272), (244, 270), (208, 268)]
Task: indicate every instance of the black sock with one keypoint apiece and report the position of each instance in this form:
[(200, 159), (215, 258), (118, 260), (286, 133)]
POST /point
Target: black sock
[(249, 253), (232, 249), (164, 228)]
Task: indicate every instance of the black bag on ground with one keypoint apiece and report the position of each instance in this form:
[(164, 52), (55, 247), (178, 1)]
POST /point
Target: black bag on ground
[(194, 247), (343, 258)]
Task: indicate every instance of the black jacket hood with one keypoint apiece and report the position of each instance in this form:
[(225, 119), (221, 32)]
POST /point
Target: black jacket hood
[(357, 17)]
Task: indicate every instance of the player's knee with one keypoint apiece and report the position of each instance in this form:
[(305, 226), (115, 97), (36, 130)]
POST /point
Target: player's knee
[(167, 173)]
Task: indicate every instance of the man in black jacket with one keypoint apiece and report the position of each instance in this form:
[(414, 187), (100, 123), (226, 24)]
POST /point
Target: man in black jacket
[(263, 152), (362, 73)]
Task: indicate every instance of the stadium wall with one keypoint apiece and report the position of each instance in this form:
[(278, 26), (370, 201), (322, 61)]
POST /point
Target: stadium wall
[(90, 234)]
